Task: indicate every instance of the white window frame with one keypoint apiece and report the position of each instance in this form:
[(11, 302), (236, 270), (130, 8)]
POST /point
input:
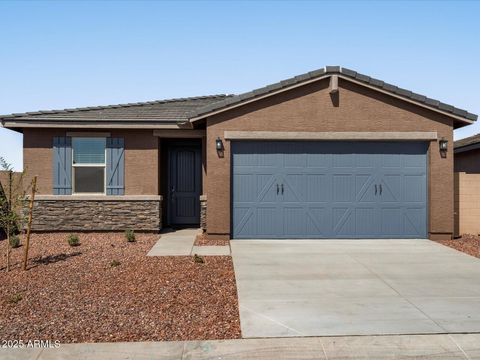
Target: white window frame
[(104, 165)]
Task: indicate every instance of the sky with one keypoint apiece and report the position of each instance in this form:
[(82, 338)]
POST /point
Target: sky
[(56, 55)]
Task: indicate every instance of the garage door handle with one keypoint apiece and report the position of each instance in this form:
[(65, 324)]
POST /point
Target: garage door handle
[(380, 189), (282, 189), (278, 189), (375, 189)]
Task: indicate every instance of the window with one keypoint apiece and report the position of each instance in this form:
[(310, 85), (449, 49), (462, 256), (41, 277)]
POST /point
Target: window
[(88, 163)]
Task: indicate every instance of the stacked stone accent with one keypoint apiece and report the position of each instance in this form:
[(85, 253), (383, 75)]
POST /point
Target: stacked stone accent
[(107, 213), (203, 212)]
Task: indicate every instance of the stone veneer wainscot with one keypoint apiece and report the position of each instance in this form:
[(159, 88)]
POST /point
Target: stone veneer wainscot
[(97, 213), (203, 212)]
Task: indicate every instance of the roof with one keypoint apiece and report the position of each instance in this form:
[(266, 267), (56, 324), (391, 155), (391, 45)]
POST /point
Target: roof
[(326, 72), (467, 143), (170, 110)]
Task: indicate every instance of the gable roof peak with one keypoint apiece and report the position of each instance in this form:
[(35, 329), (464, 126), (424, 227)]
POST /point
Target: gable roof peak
[(463, 116)]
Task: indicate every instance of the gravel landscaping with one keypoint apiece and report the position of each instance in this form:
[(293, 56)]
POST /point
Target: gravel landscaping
[(203, 240), (106, 289), (469, 244)]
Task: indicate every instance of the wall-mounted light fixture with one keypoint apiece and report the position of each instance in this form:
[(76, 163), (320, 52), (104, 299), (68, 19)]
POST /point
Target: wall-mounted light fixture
[(443, 144), (219, 144)]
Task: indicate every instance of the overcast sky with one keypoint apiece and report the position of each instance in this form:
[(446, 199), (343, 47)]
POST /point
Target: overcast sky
[(56, 55)]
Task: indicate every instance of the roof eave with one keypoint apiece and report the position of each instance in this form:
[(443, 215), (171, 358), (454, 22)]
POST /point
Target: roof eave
[(14, 124), (465, 148)]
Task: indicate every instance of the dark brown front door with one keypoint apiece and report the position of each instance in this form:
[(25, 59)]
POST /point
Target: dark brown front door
[(184, 184)]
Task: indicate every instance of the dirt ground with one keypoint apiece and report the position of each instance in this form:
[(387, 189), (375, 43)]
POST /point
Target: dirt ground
[(107, 289), (469, 244)]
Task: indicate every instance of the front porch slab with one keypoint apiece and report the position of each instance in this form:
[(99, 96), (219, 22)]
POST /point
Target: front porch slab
[(181, 243), (211, 250)]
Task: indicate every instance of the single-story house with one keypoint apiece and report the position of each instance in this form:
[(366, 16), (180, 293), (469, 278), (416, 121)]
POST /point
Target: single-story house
[(328, 154), (467, 185)]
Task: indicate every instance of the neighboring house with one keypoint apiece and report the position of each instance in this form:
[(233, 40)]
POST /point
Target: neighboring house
[(328, 154), (467, 186)]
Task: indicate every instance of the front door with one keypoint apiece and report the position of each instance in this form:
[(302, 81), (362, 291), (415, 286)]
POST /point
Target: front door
[(184, 185)]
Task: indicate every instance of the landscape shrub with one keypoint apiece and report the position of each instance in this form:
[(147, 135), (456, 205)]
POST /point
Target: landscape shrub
[(73, 240), (130, 235), (114, 263), (14, 241)]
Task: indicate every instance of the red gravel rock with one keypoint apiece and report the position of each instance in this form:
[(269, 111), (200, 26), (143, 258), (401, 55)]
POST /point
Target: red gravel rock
[(203, 240), (469, 244), (73, 294)]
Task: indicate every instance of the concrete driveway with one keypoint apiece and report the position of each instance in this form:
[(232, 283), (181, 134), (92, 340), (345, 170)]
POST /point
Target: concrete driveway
[(354, 287)]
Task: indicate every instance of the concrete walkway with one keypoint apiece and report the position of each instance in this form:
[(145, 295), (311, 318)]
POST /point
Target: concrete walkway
[(446, 347), (181, 243), (354, 287)]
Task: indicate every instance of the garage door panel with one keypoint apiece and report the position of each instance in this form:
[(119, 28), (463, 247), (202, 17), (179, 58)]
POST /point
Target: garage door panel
[(267, 221), (343, 223), (294, 188), (294, 220), (266, 188), (245, 187), (413, 161), (415, 188), (244, 222), (392, 188), (365, 162), (415, 220), (318, 221), (344, 188), (342, 161), (365, 188), (317, 160), (393, 221), (318, 188), (366, 221), (391, 161), (255, 154)]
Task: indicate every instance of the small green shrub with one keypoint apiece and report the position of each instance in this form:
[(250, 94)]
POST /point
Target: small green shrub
[(73, 240), (198, 259), (130, 235), (114, 263), (14, 241), (15, 298)]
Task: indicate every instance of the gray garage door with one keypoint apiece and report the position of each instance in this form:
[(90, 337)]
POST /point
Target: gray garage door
[(329, 190)]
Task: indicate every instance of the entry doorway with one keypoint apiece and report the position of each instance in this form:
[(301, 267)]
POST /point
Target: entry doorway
[(184, 183)]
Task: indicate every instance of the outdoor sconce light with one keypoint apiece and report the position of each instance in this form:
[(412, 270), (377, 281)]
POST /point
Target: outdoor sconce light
[(443, 144), (219, 144)]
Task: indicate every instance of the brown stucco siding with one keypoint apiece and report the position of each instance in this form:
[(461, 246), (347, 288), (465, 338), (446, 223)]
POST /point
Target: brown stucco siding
[(141, 159), (141, 162), (468, 161), (38, 156), (311, 108)]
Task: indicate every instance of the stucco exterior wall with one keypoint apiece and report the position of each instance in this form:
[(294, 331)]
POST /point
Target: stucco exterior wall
[(467, 192), (141, 159), (467, 203), (311, 108), (468, 161)]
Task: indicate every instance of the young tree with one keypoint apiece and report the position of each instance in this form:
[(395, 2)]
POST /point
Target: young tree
[(12, 198)]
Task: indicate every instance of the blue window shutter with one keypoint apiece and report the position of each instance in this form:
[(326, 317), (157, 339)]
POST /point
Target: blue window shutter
[(62, 165), (115, 166)]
